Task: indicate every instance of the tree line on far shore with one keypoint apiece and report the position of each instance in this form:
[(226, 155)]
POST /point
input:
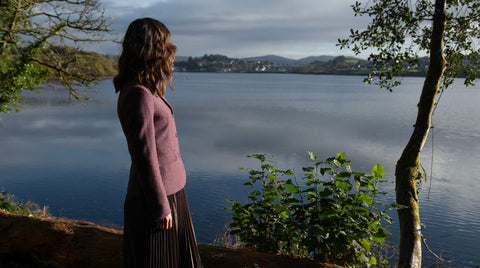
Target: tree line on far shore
[(334, 65), (106, 65)]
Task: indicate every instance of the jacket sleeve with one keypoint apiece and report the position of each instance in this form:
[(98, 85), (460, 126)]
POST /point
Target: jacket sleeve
[(138, 113)]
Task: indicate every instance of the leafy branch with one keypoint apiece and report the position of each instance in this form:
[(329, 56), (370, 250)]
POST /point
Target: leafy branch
[(30, 34), (334, 216)]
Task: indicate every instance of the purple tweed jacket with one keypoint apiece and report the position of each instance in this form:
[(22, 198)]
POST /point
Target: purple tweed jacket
[(157, 169)]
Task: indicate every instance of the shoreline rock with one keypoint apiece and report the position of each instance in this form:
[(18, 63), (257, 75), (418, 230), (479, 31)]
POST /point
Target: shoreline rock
[(58, 242)]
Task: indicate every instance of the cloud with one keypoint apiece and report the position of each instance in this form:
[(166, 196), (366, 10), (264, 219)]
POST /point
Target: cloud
[(244, 28), (128, 4)]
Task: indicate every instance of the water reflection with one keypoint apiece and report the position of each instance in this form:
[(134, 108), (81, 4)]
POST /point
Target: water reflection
[(73, 157)]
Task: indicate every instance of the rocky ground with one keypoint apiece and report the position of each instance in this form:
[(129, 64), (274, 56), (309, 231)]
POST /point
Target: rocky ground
[(56, 242)]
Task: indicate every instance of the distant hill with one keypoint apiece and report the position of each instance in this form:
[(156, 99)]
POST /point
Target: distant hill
[(181, 58), (81, 62), (278, 59), (315, 58), (273, 58), (288, 61)]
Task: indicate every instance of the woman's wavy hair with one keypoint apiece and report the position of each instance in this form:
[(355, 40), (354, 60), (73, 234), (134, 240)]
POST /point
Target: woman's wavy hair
[(147, 56)]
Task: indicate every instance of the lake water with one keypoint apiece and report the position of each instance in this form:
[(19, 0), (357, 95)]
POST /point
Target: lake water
[(73, 157)]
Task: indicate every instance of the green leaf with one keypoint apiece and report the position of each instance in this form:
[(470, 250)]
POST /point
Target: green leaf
[(349, 169), (340, 156), (292, 188), (372, 260), (345, 174), (283, 214), (271, 177), (364, 258), (365, 243), (344, 185), (367, 199), (379, 236), (378, 171), (336, 163), (308, 169), (269, 167), (312, 156), (326, 170), (269, 199)]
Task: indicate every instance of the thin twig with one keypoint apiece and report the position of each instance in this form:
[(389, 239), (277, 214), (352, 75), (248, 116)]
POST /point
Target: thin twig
[(299, 190), (429, 250)]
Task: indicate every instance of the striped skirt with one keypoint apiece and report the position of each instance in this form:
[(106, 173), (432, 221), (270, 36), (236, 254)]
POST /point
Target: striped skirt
[(145, 245)]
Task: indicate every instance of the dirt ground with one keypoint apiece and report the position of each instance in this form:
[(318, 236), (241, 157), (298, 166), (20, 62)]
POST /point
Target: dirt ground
[(57, 242)]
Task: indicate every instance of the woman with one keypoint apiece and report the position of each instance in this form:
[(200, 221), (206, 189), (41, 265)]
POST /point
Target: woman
[(158, 231)]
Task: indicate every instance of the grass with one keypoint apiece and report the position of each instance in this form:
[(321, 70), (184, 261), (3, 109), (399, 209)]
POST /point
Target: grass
[(9, 203)]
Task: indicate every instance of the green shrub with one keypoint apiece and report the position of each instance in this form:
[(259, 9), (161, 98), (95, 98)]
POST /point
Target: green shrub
[(334, 216), (8, 203)]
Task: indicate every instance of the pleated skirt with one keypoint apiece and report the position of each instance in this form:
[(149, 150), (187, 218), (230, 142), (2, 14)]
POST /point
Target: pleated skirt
[(145, 245)]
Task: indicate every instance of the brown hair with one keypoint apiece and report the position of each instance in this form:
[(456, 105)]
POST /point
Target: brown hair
[(147, 56)]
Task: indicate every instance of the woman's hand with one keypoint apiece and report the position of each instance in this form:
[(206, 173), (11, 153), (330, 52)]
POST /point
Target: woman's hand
[(165, 223)]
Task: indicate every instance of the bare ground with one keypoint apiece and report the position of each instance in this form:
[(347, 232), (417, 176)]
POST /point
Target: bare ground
[(57, 242)]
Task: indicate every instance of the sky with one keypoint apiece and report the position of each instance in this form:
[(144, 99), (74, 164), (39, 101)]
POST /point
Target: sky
[(241, 28)]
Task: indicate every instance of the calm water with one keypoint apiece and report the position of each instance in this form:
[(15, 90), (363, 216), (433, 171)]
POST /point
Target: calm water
[(73, 158)]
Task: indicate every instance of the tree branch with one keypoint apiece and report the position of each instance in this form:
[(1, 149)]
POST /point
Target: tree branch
[(429, 250)]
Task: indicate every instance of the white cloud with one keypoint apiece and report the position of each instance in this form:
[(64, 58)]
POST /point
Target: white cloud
[(127, 4), (245, 28)]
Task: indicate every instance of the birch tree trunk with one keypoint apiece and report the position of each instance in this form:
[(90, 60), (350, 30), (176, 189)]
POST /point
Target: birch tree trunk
[(408, 168)]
